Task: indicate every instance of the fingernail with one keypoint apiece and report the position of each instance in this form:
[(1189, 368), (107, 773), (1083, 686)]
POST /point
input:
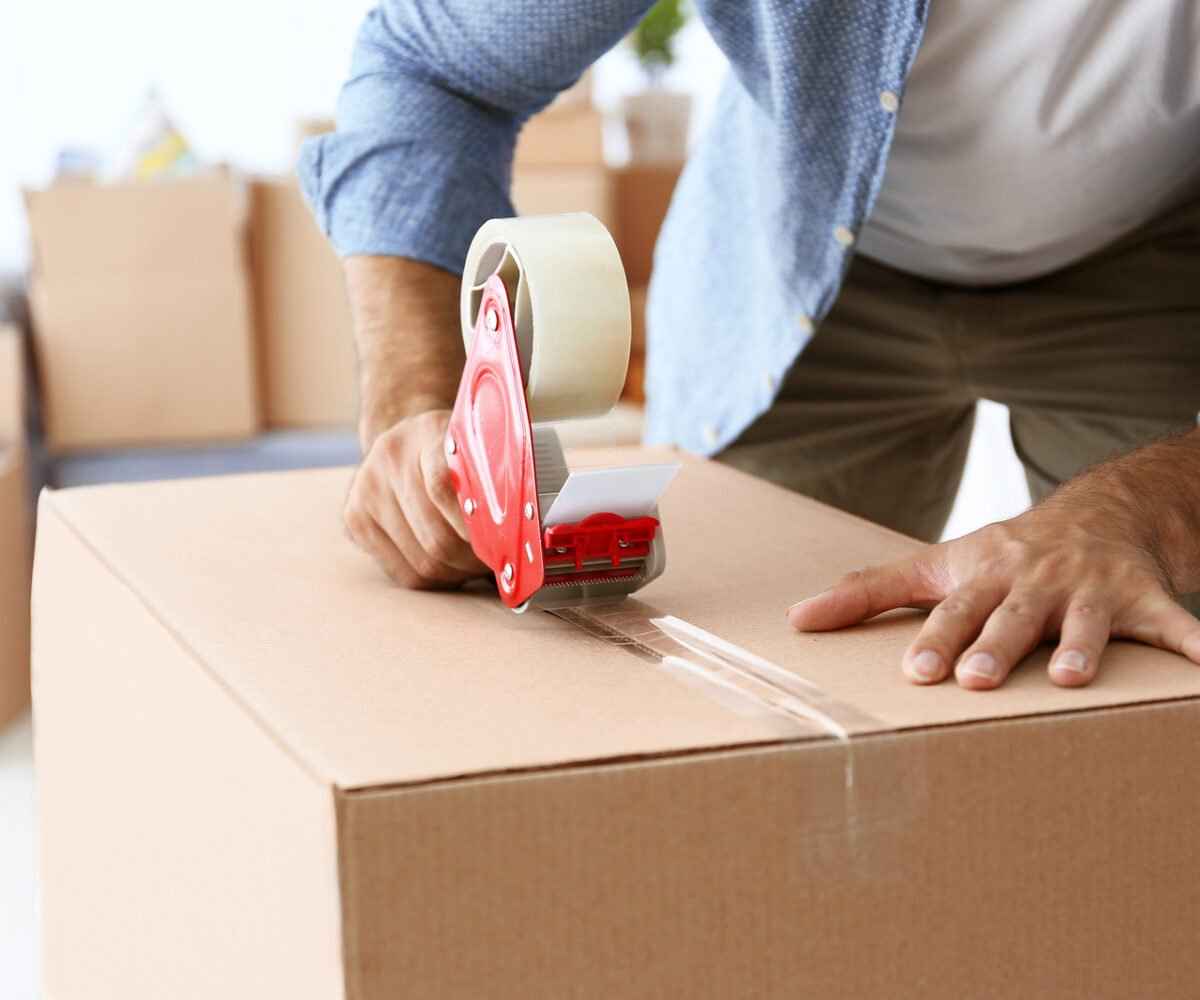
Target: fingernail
[(926, 665), (807, 600), (1073, 660), (1191, 647), (980, 665)]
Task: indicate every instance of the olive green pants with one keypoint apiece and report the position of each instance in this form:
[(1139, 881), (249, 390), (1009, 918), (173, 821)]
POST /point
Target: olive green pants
[(1092, 361)]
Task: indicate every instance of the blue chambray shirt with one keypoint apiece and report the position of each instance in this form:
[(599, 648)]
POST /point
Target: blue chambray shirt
[(762, 224)]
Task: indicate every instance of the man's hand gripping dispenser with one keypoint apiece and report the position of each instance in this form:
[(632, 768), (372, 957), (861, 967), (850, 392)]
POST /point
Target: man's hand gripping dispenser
[(546, 323)]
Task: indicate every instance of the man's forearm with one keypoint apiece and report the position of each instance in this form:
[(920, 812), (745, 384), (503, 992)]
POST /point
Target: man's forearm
[(406, 327), (1151, 496)]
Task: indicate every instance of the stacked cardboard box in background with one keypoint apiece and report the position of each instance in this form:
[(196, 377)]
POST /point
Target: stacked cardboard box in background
[(643, 195), (559, 164), (141, 312), (208, 310), (305, 336), (16, 529)]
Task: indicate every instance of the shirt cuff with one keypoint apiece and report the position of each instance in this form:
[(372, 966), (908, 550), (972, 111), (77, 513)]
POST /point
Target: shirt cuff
[(399, 200)]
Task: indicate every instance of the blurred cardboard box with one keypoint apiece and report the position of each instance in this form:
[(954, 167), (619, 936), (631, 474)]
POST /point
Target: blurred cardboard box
[(635, 379), (16, 530), (305, 333), (564, 135), (551, 190), (264, 770), (641, 197), (141, 312)]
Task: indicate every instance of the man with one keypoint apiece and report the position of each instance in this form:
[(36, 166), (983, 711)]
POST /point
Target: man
[(1024, 229)]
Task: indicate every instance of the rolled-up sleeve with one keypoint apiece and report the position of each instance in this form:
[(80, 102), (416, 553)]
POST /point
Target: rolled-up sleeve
[(427, 121)]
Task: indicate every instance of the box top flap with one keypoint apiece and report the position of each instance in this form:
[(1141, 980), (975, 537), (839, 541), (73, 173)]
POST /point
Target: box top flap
[(371, 685)]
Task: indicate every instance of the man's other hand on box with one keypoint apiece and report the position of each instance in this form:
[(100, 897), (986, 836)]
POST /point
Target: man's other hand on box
[(1104, 556)]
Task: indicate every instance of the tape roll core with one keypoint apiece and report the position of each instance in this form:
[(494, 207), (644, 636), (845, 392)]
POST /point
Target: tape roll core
[(570, 303)]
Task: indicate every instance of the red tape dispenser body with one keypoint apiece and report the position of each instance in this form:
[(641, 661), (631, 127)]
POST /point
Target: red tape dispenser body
[(507, 471), (490, 453)]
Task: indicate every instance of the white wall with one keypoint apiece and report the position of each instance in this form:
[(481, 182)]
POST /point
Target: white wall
[(236, 74)]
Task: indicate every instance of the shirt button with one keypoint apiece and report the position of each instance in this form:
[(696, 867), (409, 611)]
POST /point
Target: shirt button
[(770, 381), (889, 101), (805, 323), (710, 435), (843, 235)]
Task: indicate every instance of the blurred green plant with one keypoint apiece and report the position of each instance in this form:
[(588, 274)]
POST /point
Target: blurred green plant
[(651, 39)]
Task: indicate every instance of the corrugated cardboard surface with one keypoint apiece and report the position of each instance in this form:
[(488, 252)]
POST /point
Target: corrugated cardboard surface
[(523, 811), (142, 313), (306, 338), (301, 627), (15, 531), (183, 853), (1046, 858)]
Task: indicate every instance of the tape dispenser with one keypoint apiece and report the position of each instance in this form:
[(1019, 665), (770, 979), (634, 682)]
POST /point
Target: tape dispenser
[(546, 325)]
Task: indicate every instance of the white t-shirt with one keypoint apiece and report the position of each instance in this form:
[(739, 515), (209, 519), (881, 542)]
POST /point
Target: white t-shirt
[(1034, 132)]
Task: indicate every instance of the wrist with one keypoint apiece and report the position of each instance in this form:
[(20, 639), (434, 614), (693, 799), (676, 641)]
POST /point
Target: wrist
[(1142, 500), (376, 420), (410, 352)]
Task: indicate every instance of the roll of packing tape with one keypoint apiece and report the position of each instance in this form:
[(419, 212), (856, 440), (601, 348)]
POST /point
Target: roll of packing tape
[(566, 287)]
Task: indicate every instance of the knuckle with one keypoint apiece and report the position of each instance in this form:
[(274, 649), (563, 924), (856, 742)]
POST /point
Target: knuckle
[(954, 609), (394, 447), (992, 567), (1054, 566), (852, 580), (439, 484), (422, 583), (427, 567), (443, 547), (387, 451), (1016, 551), (1023, 611), (1146, 632), (370, 484), (355, 519), (401, 574)]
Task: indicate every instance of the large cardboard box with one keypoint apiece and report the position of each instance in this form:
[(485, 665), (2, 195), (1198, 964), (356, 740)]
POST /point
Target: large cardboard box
[(306, 336), (264, 771), (641, 196), (16, 530), (142, 312)]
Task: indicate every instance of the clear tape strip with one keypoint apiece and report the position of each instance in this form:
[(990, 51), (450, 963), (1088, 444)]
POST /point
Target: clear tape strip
[(858, 827), (733, 676)]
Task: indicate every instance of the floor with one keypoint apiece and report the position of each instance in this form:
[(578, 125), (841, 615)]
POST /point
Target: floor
[(993, 488)]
